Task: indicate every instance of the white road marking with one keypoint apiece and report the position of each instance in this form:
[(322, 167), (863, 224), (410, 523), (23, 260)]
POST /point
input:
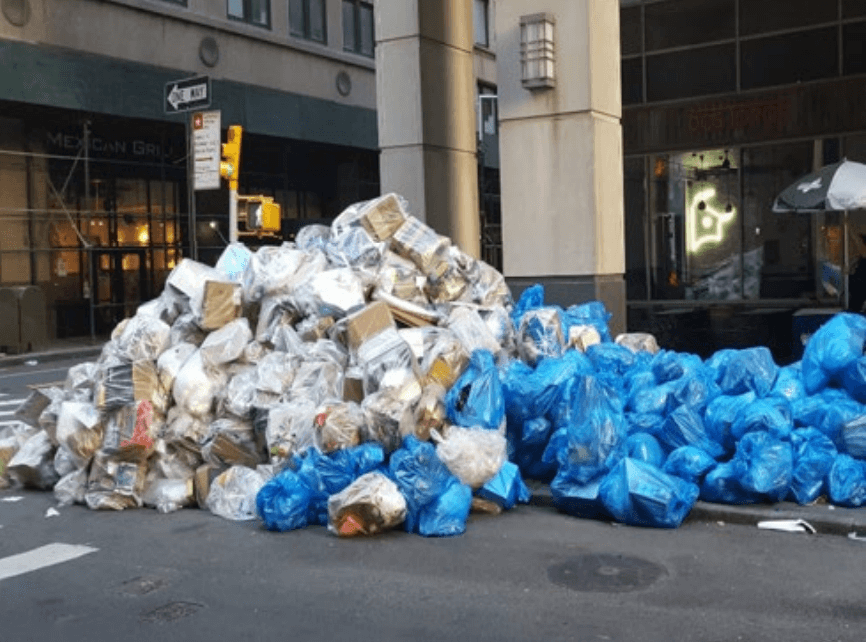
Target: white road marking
[(41, 557), (33, 373), (9, 402)]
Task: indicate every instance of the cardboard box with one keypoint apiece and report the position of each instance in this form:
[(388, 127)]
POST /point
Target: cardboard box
[(367, 323), (204, 476), (382, 217), (221, 304)]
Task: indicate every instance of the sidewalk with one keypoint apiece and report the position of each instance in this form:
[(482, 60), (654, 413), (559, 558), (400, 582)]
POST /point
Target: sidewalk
[(82, 348), (824, 518)]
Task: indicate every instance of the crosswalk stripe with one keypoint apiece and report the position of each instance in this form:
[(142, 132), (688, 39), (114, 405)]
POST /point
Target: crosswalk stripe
[(47, 555)]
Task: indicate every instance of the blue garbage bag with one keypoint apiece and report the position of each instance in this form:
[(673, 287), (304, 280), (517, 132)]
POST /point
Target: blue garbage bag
[(506, 488), (420, 476), (648, 422), (540, 335), (810, 410), (814, 455), (546, 386), (636, 380), (689, 463), (659, 399), (847, 482), (854, 379), (722, 485), (840, 413), (854, 437), (789, 383), (684, 427), (476, 398), (530, 299), (740, 371), (592, 313), (695, 390), (611, 358), (328, 474), (446, 515), (768, 464), (761, 415), (282, 503), (578, 499), (720, 415), (834, 346), (646, 448), (518, 391), (668, 365), (528, 452), (594, 438), (639, 494)]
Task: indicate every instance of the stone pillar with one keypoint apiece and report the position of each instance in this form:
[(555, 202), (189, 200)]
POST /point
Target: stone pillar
[(561, 157), (425, 98)]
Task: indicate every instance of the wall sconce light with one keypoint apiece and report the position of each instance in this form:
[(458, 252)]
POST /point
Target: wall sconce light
[(536, 51)]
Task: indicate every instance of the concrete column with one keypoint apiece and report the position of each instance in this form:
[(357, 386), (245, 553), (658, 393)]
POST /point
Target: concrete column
[(425, 98), (561, 157)]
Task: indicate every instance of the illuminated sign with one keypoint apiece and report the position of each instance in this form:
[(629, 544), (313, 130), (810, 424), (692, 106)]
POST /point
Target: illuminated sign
[(705, 224)]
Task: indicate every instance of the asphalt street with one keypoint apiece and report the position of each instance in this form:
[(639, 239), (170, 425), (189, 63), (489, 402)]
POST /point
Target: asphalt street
[(530, 574)]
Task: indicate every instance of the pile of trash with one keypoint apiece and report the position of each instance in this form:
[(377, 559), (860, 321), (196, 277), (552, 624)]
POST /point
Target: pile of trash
[(371, 375)]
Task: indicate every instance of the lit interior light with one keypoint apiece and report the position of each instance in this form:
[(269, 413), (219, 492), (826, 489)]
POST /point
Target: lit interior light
[(705, 222), (143, 236)]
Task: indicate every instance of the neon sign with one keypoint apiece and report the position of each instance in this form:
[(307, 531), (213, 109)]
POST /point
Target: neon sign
[(706, 224)]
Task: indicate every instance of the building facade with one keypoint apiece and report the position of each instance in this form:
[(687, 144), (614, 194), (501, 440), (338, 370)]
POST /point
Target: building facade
[(94, 199), (726, 103)]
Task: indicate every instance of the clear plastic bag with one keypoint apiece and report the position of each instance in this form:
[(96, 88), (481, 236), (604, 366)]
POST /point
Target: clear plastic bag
[(79, 430), (80, 381), (185, 329), (290, 428), (418, 242), (471, 331), (169, 495), (540, 335), (473, 455), (369, 505), (233, 493), (339, 426), (637, 342), (226, 344), (71, 488), (33, 465), (171, 361), (143, 337), (195, 387), (114, 483), (234, 260)]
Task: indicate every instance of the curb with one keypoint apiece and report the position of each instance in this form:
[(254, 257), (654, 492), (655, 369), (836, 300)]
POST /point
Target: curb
[(826, 519), (79, 352)]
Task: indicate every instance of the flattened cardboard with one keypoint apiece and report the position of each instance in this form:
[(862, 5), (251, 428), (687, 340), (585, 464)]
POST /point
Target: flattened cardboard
[(367, 323), (221, 304)]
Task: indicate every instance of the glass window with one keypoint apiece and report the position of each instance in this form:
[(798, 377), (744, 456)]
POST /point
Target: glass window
[(482, 22), (854, 48), (708, 70), (257, 12), (762, 16), (795, 57), (358, 36), (632, 81), (629, 31), (307, 19), (688, 22), (853, 8)]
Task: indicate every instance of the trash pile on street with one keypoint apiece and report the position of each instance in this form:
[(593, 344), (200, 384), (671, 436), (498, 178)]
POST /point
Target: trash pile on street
[(371, 375)]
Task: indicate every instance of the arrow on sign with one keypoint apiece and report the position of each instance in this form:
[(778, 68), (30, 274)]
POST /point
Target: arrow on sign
[(186, 94)]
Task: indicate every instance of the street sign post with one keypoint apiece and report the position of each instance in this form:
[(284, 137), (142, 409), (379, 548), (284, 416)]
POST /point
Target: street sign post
[(186, 94), (206, 149)]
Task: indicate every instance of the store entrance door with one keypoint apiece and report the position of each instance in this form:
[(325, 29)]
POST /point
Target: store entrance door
[(121, 284)]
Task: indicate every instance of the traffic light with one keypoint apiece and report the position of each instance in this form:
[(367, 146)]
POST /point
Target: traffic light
[(230, 166), (259, 213)]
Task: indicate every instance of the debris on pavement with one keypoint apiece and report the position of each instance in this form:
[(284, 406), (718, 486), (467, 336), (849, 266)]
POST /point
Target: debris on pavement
[(370, 375), (788, 526)]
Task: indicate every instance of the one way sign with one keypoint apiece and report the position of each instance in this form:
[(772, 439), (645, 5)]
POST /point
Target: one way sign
[(190, 93)]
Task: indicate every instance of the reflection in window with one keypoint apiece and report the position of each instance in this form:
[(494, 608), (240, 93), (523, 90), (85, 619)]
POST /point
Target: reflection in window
[(688, 22), (257, 12), (795, 57), (358, 34), (481, 21), (632, 81), (763, 16), (307, 19), (854, 48), (708, 70), (630, 31)]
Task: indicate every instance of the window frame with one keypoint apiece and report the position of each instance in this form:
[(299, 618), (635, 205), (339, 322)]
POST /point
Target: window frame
[(247, 11), (356, 18), (486, 43), (306, 28)]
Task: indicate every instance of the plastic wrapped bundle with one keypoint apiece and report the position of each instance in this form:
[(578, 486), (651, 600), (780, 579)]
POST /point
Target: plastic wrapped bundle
[(369, 505), (188, 278), (276, 271), (142, 337), (418, 242), (185, 329), (233, 493), (383, 216), (79, 431), (354, 247), (339, 426), (290, 428), (581, 337), (226, 344), (638, 342), (540, 335), (639, 494), (471, 331), (231, 442), (472, 455), (114, 482), (32, 466), (401, 278), (386, 355), (234, 260)]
